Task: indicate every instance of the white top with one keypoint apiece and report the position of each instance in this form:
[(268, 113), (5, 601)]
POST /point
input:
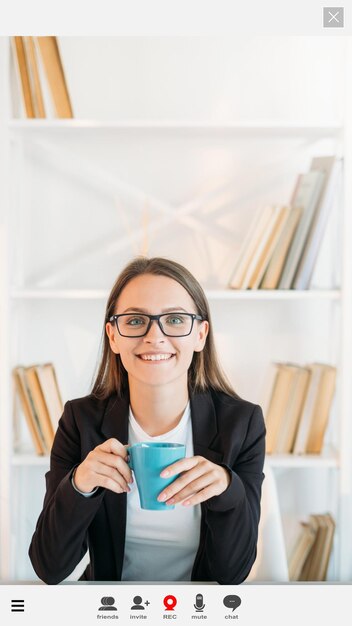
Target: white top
[(161, 545)]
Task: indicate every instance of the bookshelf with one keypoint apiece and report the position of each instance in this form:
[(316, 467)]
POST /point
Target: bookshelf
[(22, 300), (257, 128)]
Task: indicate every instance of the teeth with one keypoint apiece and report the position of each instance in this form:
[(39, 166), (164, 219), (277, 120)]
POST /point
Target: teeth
[(155, 357)]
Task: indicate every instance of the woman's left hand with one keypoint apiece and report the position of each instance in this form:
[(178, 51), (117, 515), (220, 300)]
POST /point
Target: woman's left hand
[(200, 480)]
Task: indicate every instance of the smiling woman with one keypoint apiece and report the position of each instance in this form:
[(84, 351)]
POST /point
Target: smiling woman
[(158, 381)]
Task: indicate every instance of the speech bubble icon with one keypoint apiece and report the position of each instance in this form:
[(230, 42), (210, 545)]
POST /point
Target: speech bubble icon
[(232, 602)]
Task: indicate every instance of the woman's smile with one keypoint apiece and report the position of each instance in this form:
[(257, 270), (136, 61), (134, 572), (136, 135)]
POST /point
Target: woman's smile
[(155, 357)]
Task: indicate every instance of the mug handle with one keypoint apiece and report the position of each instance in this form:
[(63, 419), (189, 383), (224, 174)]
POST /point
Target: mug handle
[(129, 462)]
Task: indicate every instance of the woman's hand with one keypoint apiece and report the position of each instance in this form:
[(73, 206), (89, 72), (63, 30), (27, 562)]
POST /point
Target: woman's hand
[(105, 466), (200, 480)]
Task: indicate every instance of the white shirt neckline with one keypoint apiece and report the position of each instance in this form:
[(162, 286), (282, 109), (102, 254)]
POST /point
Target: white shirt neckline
[(143, 436)]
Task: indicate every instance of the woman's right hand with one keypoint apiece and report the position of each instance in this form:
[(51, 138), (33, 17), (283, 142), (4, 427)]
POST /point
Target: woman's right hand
[(105, 466)]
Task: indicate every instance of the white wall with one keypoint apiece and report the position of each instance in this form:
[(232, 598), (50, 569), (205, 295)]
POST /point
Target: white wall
[(202, 78)]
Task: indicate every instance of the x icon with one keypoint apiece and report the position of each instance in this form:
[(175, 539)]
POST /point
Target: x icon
[(333, 16)]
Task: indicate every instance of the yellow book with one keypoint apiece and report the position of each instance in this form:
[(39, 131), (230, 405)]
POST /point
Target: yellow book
[(327, 549), (50, 54), (290, 420), (274, 270), (249, 246), (321, 409), (317, 550), (261, 243), (307, 415), (39, 403), (307, 566), (301, 549), (278, 403), (21, 63), (36, 90), (51, 392), (276, 227), (28, 410)]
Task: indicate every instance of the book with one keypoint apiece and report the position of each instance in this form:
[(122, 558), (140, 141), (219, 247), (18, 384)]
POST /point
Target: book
[(298, 407), (28, 410), (21, 64), (39, 404), (249, 245), (307, 416), (292, 413), (327, 549), (317, 561), (310, 571), (322, 408), (278, 225), (268, 386), (261, 245), (275, 267), (36, 91), (330, 167), (302, 548), (51, 392), (278, 403), (305, 196), (54, 71)]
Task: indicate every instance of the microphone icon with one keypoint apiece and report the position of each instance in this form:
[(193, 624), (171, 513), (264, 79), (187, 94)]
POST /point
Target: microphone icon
[(199, 605)]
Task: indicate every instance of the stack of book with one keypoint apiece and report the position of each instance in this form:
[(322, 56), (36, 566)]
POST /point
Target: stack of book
[(282, 245), (298, 407), (41, 77), (41, 403), (311, 554)]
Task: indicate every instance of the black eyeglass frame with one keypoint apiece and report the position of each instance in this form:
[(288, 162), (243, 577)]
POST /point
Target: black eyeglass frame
[(114, 318)]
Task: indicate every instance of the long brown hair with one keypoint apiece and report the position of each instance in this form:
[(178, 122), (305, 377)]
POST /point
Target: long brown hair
[(204, 371)]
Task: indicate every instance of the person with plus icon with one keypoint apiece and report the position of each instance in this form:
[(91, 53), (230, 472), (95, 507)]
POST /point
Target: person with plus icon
[(159, 380)]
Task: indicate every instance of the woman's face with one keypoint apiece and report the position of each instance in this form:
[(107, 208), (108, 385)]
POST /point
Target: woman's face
[(154, 295)]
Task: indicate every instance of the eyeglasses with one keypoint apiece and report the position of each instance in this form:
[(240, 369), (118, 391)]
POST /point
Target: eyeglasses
[(170, 324)]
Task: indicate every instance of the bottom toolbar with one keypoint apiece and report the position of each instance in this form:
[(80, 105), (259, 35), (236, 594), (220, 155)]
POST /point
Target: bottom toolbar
[(88, 603)]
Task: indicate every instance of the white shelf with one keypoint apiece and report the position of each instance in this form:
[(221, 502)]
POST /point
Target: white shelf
[(30, 459), (212, 294), (306, 461), (264, 128)]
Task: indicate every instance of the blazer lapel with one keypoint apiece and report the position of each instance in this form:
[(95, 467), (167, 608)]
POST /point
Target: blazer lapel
[(115, 418), (115, 425), (204, 425)]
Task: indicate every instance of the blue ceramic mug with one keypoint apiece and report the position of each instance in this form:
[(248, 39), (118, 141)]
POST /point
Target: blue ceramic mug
[(147, 460)]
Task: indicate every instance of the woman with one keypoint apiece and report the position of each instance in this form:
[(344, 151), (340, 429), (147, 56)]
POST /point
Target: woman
[(159, 380)]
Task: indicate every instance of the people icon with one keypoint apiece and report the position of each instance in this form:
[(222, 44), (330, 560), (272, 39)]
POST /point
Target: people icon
[(107, 603), (137, 604)]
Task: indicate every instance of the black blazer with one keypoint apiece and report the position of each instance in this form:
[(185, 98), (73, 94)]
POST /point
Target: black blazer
[(227, 431)]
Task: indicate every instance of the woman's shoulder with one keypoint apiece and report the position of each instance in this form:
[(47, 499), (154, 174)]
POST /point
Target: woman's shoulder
[(232, 411), (232, 402), (238, 418), (88, 400), (89, 406)]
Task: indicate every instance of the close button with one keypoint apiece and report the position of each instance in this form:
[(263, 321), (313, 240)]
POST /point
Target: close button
[(333, 17)]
